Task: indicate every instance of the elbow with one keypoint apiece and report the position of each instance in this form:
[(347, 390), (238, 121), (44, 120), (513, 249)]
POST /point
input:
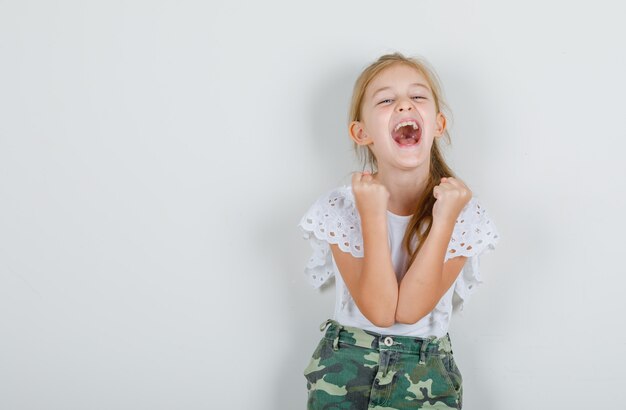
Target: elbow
[(381, 318), (412, 310), (380, 311), (408, 319), (412, 316), (387, 321)]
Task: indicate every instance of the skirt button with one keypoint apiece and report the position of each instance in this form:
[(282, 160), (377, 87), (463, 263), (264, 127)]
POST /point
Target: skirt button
[(388, 341)]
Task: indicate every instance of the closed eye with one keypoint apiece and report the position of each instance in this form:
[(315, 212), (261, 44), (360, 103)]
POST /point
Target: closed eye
[(389, 99)]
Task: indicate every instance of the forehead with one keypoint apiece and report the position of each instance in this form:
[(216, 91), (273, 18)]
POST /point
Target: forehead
[(397, 76)]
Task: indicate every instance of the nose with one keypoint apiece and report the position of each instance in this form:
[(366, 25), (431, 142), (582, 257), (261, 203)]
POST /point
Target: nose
[(404, 105)]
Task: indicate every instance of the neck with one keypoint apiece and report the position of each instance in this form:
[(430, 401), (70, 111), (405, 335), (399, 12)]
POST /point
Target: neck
[(405, 187)]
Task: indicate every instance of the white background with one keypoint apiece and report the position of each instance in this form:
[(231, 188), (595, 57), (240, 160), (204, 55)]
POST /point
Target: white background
[(156, 157)]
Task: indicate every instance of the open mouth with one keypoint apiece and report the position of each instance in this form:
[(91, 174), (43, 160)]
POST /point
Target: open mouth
[(407, 133)]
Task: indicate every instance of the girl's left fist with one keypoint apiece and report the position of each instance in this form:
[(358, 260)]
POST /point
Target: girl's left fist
[(451, 197)]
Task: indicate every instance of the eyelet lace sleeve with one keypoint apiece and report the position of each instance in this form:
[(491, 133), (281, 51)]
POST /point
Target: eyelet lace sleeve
[(332, 219), (474, 234)]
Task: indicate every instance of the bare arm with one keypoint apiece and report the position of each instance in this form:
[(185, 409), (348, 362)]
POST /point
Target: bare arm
[(371, 280), (428, 278)]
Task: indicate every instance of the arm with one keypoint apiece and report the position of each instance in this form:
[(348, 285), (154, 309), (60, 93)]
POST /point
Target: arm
[(371, 280), (421, 286), (428, 278)]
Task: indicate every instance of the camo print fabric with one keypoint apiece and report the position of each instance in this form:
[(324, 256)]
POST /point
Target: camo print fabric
[(353, 368)]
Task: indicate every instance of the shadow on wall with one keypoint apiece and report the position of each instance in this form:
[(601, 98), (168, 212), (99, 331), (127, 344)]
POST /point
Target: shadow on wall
[(328, 125), (304, 307)]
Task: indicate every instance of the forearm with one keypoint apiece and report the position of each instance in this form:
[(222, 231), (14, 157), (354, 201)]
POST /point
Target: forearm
[(377, 284), (420, 288)]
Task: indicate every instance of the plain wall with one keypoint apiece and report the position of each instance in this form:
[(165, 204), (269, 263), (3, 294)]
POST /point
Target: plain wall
[(156, 157)]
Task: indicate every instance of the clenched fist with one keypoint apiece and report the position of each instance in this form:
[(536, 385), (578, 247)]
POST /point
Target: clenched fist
[(451, 197), (371, 197)]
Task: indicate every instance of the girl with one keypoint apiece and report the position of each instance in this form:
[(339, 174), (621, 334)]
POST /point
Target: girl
[(400, 242)]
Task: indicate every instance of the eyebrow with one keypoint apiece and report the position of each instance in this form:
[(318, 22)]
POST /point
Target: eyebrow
[(387, 88)]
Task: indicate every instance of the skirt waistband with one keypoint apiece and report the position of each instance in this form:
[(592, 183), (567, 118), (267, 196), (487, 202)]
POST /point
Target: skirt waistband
[(338, 333)]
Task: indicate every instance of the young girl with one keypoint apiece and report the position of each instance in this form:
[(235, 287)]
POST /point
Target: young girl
[(400, 242)]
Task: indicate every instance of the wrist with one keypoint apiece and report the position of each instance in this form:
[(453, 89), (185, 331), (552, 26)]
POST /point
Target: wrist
[(443, 225), (374, 218), (374, 228)]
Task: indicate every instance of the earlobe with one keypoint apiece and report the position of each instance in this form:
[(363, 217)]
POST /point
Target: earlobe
[(441, 122)]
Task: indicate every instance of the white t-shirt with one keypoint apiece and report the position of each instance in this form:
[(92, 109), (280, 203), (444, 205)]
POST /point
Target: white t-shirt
[(333, 218)]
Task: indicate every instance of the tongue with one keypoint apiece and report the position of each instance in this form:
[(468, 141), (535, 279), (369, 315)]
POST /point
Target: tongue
[(406, 140), (406, 135)]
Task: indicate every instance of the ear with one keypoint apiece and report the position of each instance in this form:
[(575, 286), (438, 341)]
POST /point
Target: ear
[(357, 133), (441, 124)]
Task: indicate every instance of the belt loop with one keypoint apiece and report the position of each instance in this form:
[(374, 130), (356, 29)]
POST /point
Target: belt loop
[(324, 325), (425, 344), (338, 329), (335, 333), (336, 340)]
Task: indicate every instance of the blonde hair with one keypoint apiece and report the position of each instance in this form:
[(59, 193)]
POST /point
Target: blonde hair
[(421, 222)]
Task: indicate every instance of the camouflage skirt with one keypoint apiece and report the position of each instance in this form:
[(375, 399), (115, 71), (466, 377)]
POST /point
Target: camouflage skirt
[(353, 368)]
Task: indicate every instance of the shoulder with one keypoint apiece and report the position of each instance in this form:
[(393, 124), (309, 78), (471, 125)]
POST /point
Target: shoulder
[(333, 218), (472, 210), (339, 197), (475, 234), (473, 213), (474, 231), (338, 201)]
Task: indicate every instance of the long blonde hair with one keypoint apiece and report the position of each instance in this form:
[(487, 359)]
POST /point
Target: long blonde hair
[(421, 222)]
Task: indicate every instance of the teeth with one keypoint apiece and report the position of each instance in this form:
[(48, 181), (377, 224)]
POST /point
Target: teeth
[(404, 123)]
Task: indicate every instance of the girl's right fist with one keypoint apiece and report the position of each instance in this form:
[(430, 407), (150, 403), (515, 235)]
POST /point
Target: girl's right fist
[(371, 197)]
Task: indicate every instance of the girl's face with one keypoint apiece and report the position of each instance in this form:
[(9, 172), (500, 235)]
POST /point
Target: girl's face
[(397, 95)]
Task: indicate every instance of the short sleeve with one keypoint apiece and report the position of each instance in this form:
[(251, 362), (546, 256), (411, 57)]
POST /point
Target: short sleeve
[(474, 234), (332, 219)]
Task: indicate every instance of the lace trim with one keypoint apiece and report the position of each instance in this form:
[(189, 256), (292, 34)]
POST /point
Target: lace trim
[(332, 219), (474, 234), (469, 279)]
